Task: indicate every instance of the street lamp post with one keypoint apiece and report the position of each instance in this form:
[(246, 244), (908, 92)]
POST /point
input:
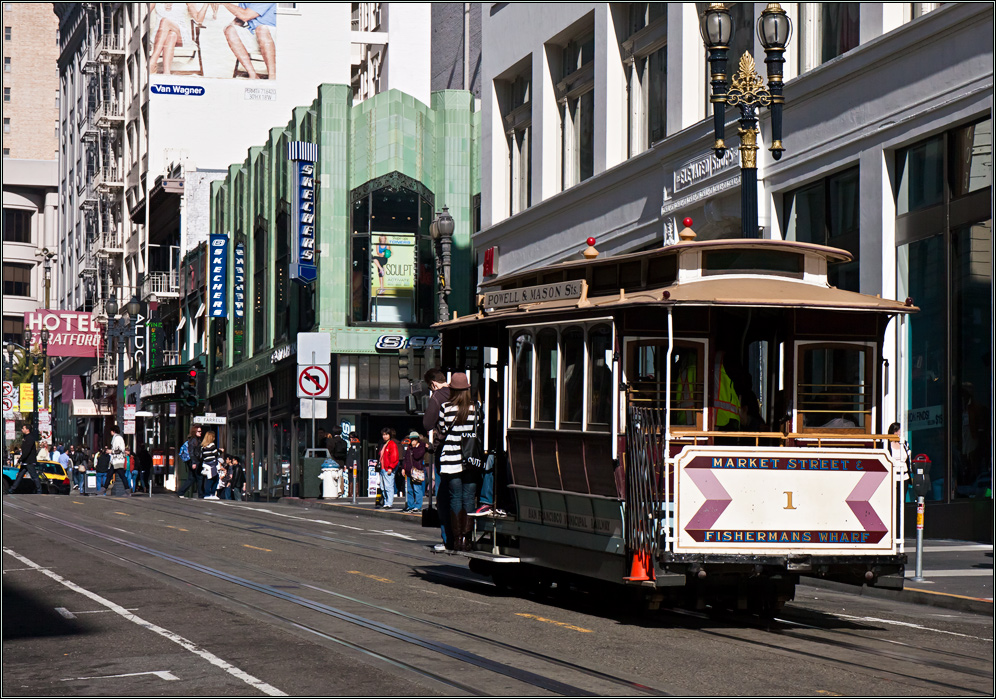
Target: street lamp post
[(441, 231), (748, 93), (47, 256), (121, 329)]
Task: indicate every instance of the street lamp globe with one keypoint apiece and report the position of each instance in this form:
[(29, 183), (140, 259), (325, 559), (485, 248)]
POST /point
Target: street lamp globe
[(45, 336), (111, 306), (28, 338), (134, 306), (434, 228), (446, 223), (774, 28), (717, 25)]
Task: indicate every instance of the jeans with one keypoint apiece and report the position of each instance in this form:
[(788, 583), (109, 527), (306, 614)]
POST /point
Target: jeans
[(193, 479), (415, 492), (210, 485), (131, 478), (488, 487), (463, 490), (442, 506), (28, 468), (387, 487)]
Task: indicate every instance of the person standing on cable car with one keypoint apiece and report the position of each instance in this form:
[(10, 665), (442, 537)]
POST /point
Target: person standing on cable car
[(459, 479)]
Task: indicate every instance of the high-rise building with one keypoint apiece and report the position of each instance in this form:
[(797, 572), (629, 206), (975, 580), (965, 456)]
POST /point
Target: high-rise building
[(30, 142)]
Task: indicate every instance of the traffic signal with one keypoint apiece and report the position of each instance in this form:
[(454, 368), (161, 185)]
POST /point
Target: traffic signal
[(188, 389), (405, 360)]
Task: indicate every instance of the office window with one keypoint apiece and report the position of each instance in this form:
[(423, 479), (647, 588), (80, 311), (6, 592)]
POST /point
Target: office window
[(827, 30), (576, 95), (13, 330), (7, 33), (644, 53), (16, 279), (6, 124), (514, 101), (827, 213), (6, 64), (6, 94), (17, 225)]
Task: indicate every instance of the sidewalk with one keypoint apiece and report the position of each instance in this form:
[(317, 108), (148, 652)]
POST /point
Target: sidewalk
[(957, 575)]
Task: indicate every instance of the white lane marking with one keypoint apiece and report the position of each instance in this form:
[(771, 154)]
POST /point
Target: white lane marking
[(909, 625), (963, 573), (12, 570), (161, 674), (953, 549), (165, 633), (392, 533), (302, 519), (65, 612), (102, 611)]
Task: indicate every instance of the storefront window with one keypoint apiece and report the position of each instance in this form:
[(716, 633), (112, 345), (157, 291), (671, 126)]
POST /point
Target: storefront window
[(945, 265), (391, 253)]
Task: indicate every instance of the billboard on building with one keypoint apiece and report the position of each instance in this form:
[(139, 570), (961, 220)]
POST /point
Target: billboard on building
[(213, 40), (70, 333), (392, 277)]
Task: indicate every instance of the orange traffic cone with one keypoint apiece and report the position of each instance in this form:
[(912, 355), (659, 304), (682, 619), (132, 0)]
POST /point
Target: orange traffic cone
[(641, 564)]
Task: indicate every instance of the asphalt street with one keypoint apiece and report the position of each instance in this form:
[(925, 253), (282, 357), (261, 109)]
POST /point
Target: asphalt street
[(161, 596)]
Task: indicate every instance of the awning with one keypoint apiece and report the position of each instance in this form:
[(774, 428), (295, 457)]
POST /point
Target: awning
[(83, 407)]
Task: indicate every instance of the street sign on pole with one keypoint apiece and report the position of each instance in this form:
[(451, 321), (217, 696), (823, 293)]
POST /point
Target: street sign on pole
[(315, 348), (313, 381), (314, 409)]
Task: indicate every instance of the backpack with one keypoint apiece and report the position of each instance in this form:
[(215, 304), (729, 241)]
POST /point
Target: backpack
[(184, 452)]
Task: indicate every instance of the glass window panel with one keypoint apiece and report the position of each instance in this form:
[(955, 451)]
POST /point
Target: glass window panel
[(17, 225), (921, 176), (547, 363), (972, 158), (656, 75), (572, 388), (840, 28), (522, 398), (360, 277), (833, 391), (586, 136), (843, 227), (806, 207), (972, 329), (600, 376)]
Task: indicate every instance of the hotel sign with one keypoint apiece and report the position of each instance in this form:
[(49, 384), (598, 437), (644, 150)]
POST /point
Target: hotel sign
[(534, 294)]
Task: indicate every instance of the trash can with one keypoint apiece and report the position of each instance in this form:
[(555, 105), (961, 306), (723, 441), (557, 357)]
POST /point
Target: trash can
[(311, 466), (91, 482)]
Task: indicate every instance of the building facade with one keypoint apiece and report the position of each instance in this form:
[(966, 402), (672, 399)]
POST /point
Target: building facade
[(595, 122), (384, 168)]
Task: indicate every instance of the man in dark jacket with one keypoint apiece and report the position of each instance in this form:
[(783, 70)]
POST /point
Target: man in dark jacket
[(29, 455), (194, 464), (434, 426)]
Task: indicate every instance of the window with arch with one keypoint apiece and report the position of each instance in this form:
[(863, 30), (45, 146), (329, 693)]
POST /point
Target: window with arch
[(393, 266)]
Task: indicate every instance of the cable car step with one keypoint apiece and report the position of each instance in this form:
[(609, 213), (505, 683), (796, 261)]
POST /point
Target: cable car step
[(491, 557)]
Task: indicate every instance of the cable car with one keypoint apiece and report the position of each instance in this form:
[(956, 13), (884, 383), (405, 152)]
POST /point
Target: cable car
[(701, 421)]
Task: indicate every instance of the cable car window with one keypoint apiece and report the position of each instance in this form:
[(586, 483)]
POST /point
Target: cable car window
[(547, 364), (572, 375), (787, 264), (522, 392), (662, 270), (600, 377), (646, 375), (834, 390), (605, 279), (630, 276)]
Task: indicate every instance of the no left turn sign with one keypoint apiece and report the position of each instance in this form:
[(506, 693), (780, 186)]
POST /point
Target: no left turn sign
[(313, 381)]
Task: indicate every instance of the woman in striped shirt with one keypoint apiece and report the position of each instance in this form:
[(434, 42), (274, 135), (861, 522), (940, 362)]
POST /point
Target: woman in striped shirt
[(459, 418), (209, 461)]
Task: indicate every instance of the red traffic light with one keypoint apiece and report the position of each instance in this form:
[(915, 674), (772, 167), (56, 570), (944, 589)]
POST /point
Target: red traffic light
[(193, 373)]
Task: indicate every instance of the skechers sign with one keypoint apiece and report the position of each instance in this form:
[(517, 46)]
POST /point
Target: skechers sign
[(184, 90), (217, 276), (239, 292), (304, 264)]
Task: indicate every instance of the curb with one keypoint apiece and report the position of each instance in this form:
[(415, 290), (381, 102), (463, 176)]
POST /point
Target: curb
[(943, 600), (971, 605)]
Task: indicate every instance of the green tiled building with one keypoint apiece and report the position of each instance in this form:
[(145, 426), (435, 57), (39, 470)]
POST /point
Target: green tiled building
[(384, 168)]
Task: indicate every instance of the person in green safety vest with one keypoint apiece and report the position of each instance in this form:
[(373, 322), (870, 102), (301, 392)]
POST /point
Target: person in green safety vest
[(725, 399), (685, 375)]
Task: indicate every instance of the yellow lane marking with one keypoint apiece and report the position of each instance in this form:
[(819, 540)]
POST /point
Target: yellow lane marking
[(829, 694), (123, 514), (77, 502), (180, 529), (257, 548), (372, 577), (555, 623)]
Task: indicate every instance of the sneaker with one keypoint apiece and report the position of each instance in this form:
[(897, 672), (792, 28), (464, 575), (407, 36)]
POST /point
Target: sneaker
[(498, 513), (481, 511), (211, 497), (439, 548)]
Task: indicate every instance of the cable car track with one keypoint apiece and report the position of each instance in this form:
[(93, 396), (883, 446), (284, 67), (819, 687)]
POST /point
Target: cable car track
[(527, 677)]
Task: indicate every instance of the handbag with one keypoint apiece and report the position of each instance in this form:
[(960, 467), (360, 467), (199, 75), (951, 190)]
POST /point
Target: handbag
[(471, 451), (418, 475), (430, 515)]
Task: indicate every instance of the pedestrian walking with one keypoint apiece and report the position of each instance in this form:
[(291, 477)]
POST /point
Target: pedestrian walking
[(144, 459), (414, 467), (118, 460), (238, 482), (102, 465), (459, 476), (209, 466), (29, 458), (190, 455), (434, 427), (81, 460), (387, 463)]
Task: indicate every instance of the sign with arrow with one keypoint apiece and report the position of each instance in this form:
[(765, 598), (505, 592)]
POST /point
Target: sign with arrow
[(313, 381)]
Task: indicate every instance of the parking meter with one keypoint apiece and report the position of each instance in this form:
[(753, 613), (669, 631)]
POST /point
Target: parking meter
[(920, 475)]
